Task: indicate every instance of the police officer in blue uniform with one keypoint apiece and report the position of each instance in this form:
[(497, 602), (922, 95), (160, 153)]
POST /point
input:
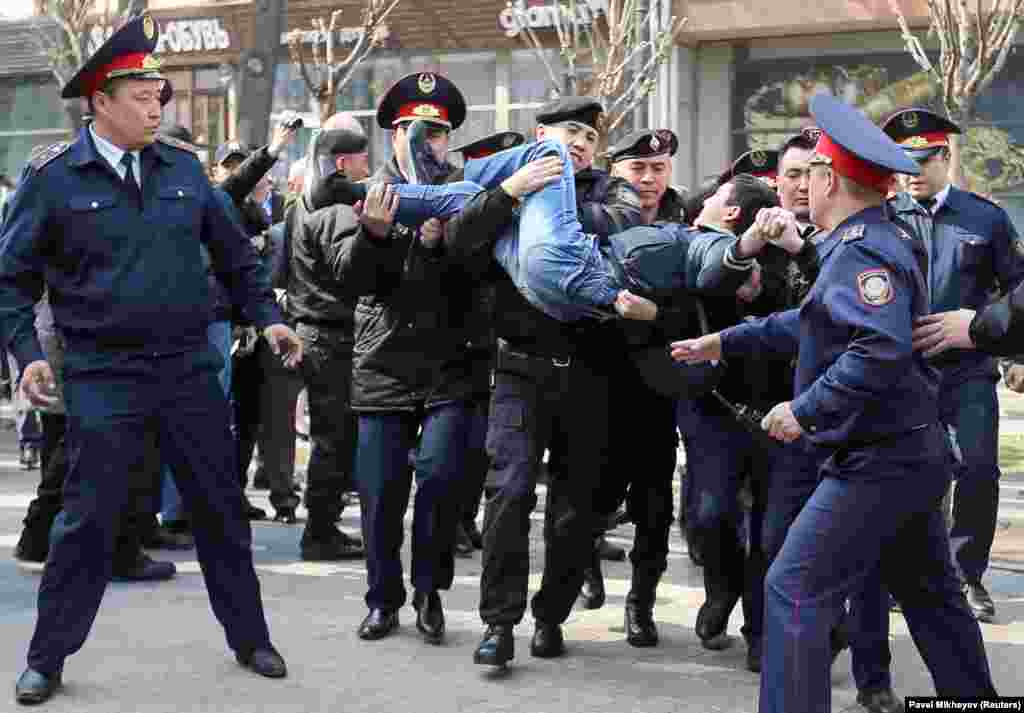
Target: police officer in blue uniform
[(973, 251), (115, 224), (863, 394)]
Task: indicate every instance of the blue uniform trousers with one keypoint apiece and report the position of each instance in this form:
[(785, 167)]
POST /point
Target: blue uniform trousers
[(384, 479), (724, 454), (972, 409), (792, 481), (875, 507), (112, 399)]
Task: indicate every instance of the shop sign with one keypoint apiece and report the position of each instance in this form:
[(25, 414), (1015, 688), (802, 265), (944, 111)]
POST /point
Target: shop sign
[(539, 15), (345, 35), (200, 35)]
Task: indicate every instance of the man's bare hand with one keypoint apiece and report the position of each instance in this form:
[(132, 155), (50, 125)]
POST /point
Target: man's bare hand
[(630, 306), (377, 212), (431, 233), (751, 289), (39, 386), (942, 331), (781, 424), (285, 343), (694, 351), (1014, 377), (783, 230), (282, 137), (533, 176)]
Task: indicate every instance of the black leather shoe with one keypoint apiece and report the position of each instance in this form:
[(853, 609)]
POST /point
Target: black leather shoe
[(429, 616), (547, 642), (143, 569), (497, 647), (754, 654), (264, 661), (712, 620), (883, 701), (378, 624), (329, 545), (463, 545), (252, 512), (640, 628), (981, 603), (34, 687), (607, 551), (162, 538), (474, 534), (592, 591)]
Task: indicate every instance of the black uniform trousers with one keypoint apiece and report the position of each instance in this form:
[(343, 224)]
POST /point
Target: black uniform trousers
[(333, 427), (112, 398), (642, 464), (533, 397), (278, 396)]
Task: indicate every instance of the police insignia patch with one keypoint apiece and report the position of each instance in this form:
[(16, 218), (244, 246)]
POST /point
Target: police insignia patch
[(508, 141), (911, 120), (855, 232), (655, 143), (148, 27), (758, 158), (875, 287), (42, 155), (426, 83)]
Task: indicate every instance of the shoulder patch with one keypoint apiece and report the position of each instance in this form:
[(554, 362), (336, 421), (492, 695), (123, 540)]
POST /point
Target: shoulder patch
[(983, 199), (854, 232), (176, 143), (42, 155), (875, 287)]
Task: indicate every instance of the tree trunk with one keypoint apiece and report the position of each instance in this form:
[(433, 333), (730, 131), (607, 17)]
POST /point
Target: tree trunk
[(957, 175)]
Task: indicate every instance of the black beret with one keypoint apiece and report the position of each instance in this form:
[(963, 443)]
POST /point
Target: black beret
[(181, 133), (585, 110), (759, 163), (644, 144), (490, 144), (341, 141)]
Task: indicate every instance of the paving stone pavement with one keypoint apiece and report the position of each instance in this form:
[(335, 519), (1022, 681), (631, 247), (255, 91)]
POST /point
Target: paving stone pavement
[(156, 647)]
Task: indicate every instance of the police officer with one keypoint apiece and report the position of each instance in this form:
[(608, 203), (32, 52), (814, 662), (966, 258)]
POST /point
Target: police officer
[(865, 396), (406, 373), (116, 223), (795, 471), (323, 307), (759, 163), (479, 353), (973, 251), (642, 419)]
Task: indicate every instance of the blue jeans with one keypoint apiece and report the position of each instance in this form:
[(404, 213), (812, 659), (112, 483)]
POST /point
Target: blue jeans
[(556, 266), (219, 334)]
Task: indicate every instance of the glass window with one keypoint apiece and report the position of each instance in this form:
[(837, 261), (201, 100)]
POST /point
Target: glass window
[(30, 103), (15, 149), (528, 78), (209, 79), (772, 96)]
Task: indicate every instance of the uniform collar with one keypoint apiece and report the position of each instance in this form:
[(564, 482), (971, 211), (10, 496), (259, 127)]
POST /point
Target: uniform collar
[(941, 198), (86, 150)]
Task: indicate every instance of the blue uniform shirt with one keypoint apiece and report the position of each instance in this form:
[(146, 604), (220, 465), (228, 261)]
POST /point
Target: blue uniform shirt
[(973, 251), (121, 278), (858, 379)]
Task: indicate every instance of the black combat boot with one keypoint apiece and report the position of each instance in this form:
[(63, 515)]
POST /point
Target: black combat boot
[(592, 592), (640, 628), (322, 541)]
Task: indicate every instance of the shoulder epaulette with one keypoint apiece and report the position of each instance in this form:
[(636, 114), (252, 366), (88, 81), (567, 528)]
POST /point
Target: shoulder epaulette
[(854, 232), (176, 143), (983, 199), (42, 155)]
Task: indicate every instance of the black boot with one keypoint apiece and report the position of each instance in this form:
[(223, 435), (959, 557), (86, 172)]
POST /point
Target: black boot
[(548, 641), (607, 551), (322, 541), (640, 628), (429, 616), (497, 647), (592, 591)]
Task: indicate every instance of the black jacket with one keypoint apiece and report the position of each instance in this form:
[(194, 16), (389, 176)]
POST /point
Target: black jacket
[(411, 321)]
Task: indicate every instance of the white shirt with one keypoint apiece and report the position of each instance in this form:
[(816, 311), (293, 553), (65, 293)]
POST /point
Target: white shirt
[(940, 198), (113, 155)]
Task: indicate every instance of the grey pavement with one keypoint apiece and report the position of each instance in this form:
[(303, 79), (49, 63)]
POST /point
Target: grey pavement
[(157, 647)]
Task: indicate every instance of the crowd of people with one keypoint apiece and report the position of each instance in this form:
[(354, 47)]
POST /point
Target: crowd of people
[(818, 323)]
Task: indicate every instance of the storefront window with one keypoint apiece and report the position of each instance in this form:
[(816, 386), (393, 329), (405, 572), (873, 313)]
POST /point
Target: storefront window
[(771, 101), (31, 114)]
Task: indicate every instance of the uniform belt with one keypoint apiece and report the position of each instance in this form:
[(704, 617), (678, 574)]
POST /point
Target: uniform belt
[(559, 360)]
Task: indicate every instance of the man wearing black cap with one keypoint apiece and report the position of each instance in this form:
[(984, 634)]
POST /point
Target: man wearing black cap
[(323, 308), (129, 213), (974, 251), (870, 404)]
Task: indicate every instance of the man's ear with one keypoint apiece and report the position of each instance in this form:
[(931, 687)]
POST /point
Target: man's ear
[(732, 214), (539, 132)]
